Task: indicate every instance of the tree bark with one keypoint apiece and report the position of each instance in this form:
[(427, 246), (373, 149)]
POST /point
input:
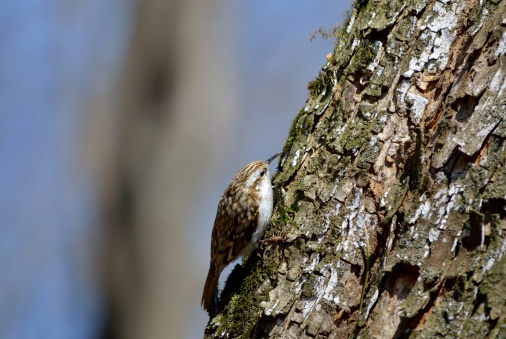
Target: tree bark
[(392, 187)]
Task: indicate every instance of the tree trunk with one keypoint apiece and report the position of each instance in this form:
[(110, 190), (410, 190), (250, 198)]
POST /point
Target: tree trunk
[(392, 187), (163, 158)]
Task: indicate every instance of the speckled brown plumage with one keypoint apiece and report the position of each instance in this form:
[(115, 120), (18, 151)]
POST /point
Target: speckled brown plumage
[(243, 212)]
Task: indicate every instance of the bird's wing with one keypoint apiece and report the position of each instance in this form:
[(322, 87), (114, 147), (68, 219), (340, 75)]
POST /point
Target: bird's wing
[(232, 232)]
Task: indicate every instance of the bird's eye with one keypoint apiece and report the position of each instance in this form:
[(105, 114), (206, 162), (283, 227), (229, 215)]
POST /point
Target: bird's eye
[(262, 173)]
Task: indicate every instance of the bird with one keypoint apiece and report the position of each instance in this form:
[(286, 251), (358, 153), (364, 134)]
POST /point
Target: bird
[(243, 212)]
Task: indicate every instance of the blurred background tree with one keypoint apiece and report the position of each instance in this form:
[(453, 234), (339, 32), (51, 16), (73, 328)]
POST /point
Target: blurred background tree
[(121, 123)]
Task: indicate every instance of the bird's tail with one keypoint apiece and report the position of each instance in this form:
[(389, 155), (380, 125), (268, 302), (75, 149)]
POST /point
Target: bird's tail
[(210, 289)]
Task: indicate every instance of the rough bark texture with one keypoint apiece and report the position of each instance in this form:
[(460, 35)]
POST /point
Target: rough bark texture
[(392, 187)]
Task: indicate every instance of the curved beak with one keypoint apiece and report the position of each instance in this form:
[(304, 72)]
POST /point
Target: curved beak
[(268, 161)]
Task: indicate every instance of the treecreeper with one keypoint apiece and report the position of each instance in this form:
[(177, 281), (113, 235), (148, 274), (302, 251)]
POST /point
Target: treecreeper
[(244, 211)]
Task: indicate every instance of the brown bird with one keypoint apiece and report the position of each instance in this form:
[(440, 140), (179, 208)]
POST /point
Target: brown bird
[(244, 210)]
